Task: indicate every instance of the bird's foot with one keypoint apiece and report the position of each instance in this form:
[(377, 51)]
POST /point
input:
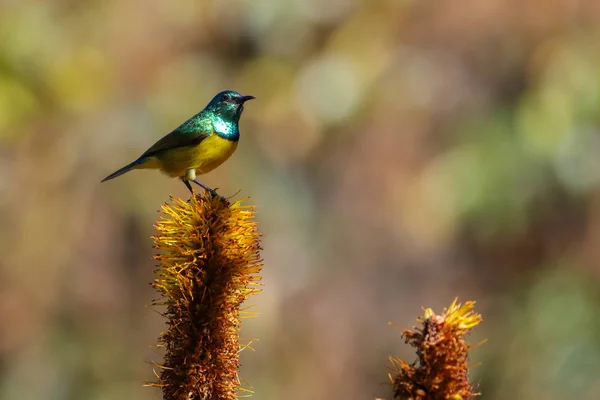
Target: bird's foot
[(212, 192)]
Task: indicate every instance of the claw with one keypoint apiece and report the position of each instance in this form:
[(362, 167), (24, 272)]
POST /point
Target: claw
[(213, 192)]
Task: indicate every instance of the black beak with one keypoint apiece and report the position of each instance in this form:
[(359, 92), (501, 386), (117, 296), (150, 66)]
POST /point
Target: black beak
[(244, 99)]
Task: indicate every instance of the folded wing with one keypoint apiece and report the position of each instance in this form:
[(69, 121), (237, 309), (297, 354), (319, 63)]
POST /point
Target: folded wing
[(187, 134)]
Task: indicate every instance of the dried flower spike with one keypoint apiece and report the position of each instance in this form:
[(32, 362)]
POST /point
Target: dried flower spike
[(208, 265), (441, 371)]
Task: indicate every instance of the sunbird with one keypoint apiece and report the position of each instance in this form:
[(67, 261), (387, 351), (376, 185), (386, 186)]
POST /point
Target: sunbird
[(197, 146)]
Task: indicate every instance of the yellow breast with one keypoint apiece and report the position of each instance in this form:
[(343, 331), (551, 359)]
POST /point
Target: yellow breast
[(212, 152), (206, 156)]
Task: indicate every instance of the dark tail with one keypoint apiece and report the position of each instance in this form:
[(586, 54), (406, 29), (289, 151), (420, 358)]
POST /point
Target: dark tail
[(125, 169)]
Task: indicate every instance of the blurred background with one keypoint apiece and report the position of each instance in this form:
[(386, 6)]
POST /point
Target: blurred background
[(400, 153)]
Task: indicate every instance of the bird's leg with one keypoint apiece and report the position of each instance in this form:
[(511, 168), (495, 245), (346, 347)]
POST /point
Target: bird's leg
[(187, 184), (190, 175), (213, 192)]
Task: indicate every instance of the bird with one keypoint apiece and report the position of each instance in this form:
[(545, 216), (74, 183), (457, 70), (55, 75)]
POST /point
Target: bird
[(197, 146)]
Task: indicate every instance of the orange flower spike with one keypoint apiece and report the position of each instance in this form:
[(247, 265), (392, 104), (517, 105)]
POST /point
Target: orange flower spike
[(441, 370), (208, 265)]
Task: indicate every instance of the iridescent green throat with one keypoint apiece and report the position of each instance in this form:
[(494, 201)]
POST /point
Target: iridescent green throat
[(226, 129)]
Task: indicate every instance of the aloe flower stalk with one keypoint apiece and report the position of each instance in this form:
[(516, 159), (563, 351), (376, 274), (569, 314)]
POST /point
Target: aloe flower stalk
[(209, 263), (441, 370)]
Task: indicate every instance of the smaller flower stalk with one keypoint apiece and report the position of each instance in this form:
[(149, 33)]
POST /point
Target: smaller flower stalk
[(441, 369), (208, 265)]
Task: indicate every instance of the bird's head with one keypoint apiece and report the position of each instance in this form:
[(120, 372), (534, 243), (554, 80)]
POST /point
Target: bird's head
[(228, 105)]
